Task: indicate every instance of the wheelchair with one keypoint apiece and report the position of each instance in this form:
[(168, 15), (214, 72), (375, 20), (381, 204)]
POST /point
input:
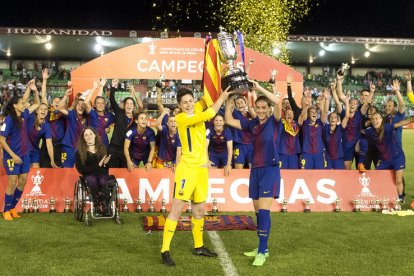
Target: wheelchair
[(82, 196)]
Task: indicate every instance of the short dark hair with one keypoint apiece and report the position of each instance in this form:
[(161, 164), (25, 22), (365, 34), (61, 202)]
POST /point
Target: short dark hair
[(265, 99), (182, 92), (240, 97)]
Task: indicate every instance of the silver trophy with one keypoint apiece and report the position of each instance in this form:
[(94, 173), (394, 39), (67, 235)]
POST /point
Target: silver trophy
[(35, 205), (151, 207), (284, 206), (273, 76), (384, 203), (163, 209), (52, 205), (234, 77), (357, 206), (337, 205), (377, 207), (26, 205), (125, 203), (189, 208), (307, 205), (397, 206), (139, 206), (342, 70), (67, 204), (215, 208)]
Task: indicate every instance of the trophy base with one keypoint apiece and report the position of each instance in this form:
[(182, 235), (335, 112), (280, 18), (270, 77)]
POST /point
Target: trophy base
[(306, 211), (151, 210), (283, 211), (337, 210), (163, 211), (66, 211), (357, 210), (26, 211), (215, 211), (52, 211), (138, 210), (188, 211), (125, 210), (238, 81)]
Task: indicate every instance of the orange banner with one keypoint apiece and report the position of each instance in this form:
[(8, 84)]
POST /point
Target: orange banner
[(320, 187), (178, 58)]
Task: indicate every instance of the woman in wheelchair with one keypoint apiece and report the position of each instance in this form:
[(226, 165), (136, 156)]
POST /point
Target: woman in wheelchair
[(91, 162)]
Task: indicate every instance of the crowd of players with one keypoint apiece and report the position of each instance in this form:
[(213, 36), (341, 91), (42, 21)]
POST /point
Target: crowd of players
[(310, 136)]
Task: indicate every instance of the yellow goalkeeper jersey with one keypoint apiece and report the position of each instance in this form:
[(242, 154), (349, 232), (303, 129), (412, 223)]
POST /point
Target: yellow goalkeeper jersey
[(192, 133)]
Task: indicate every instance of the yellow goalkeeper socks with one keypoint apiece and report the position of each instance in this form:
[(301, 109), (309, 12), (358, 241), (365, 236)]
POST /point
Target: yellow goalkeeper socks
[(198, 228), (169, 229)]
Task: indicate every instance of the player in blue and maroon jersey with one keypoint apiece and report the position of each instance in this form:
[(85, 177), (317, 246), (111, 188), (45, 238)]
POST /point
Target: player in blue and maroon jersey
[(264, 183), (332, 137), (352, 132), (390, 152), (169, 142), (99, 118), (16, 146), (139, 145), (368, 153), (38, 129), (220, 145), (57, 124), (161, 107), (289, 149), (242, 140), (76, 121), (312, 144)]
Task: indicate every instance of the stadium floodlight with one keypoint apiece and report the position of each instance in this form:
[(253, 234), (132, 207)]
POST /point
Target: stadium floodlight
[(48, 46)]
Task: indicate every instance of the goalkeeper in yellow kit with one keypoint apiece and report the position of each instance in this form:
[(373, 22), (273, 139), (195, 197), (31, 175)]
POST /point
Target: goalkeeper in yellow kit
[(191, 175)]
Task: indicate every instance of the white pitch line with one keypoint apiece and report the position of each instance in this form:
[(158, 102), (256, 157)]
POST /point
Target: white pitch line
[(225, 260)]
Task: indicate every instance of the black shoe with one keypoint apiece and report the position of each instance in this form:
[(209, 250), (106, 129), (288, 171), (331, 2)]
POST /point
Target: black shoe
[(203, 251), (166, 259)]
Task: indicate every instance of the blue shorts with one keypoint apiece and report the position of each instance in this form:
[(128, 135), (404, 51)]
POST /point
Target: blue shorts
[(68, 157), (218, 160), (289, 161), (35, 156), (349, 151), (264, 182), (396, 164), (336, 164), (13, 168), (242, 153), (311, 161)]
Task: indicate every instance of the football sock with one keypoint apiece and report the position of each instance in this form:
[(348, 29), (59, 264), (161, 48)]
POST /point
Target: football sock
[(16, 197), (197, 230), (264, 229), (169, 229)]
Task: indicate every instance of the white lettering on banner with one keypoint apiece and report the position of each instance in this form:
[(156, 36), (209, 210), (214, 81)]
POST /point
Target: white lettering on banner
[(124, 190), (172, 66), (235, 195), (146, 188), (331, 193), (300, 184)]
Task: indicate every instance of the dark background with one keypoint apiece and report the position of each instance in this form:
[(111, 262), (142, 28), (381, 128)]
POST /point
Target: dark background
[(375, 18)]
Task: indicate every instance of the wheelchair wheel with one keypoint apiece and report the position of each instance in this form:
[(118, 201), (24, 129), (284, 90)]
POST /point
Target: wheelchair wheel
[(79, 200), (115, 202)]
